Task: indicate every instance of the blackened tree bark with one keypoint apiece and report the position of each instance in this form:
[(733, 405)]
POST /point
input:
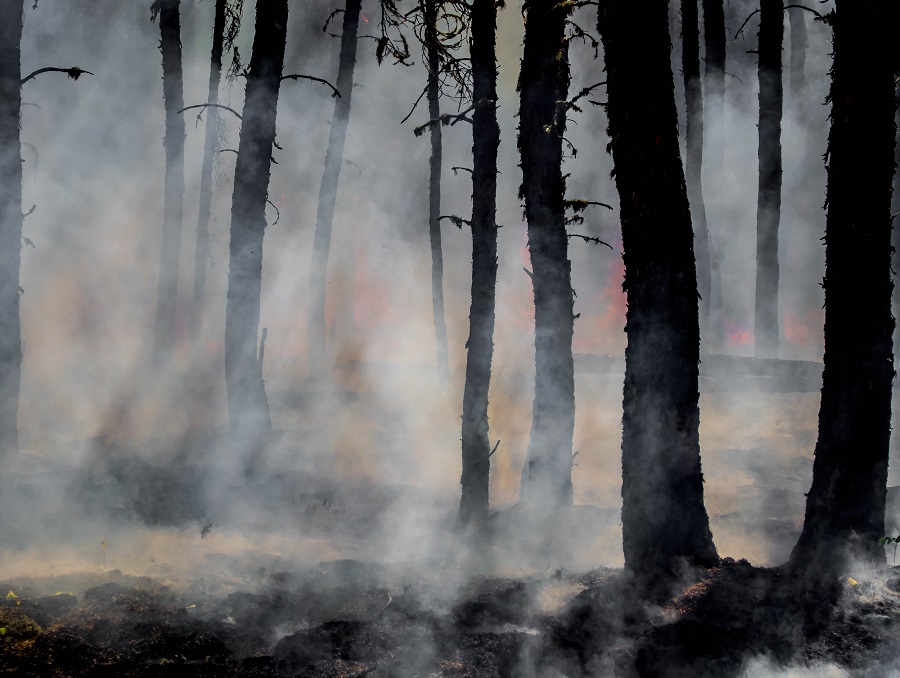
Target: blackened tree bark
[(334, 156), (10, 222), (845, 506), (664, 519), (201, 251), (799, 41), (165, 331), (693, 95), (476, 463), (248, 406), (543, 87), (714, 126), (432, 49), (768, 204), (895, 212)]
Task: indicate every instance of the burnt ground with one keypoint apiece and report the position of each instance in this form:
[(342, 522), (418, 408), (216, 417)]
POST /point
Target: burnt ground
[(349, 618)]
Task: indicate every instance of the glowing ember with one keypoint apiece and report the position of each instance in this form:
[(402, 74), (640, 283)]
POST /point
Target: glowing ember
[(735, 335), (805, 329), (363, 15)]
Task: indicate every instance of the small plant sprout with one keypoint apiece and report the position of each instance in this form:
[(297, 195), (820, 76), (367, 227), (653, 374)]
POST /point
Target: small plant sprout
[(884, 541)]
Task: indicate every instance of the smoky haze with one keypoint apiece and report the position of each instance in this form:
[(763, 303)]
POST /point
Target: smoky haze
[(123, 464)]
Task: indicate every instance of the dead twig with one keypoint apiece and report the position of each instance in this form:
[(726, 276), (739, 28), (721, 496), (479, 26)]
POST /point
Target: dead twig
[(74, 72), (299, 76)]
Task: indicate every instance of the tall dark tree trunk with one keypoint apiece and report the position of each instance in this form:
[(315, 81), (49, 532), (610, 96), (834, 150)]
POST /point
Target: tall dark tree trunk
[(664, 519), (476, 463), (693, 95), (248, 406), (434, 186), (10, 222), (334, 157), (768, 205), (846, 504), (895, 212), (201, 252), (543, 88), (714, 127), (166, 331), (798, 53)]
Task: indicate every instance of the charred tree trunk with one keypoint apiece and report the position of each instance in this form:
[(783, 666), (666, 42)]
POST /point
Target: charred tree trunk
[(544, 87), (166, 331), (664, 519), (845, 506), (201, 252), (768, 205), (248, 406), (799, 42), (10, 223), (434, 186), (714, 126), (895, 210), (476, 452), (334, 157), (693, 95)]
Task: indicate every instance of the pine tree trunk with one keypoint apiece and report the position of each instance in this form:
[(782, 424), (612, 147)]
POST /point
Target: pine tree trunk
[(846, 504), (690, 62), (799, 42), (664, 519), (10, 222), (201, 251), (768, 205), (714, 127), (543, 87), (895, 214), (486, 140), (334, 157), (166, 332), (247, 403), (434, 188)]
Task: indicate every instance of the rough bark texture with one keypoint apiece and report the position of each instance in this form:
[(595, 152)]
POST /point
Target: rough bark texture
[(166, 331), (895, 212), (486, 140), (664, 519), (714, 127), (10, 222), (334, 157), (247, 404), (799, 43), (434, 186), (846, 504), (543, 87), (768, 204), (693, 95), (201, 251)]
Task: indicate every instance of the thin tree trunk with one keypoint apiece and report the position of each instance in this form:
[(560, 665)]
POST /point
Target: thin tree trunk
[(895, 212), (334, 157), (543, 87), (476, 464), (799, 43), (845, 506), (768, 205), (10, 223), (693, 95), (166, 331), (664, 520), (201, 252), (714, 127), (247, 403), (434, 187)]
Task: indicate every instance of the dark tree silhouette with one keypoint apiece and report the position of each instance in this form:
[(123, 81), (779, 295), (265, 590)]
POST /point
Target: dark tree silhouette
[(693, 95), (664, 519), (248, 406), (433, 53), (768, 205), (714, 126), (334, 157), (165, 330), (895, 213), (10, 222), (799, 42), (543, 87), (846, 504), (476, 453)]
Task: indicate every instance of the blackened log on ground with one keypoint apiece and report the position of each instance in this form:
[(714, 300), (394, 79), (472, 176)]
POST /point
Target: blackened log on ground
[(486, 140), (664, 518)]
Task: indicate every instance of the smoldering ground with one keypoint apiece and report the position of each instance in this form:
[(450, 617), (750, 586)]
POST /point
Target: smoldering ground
[(339, 551)]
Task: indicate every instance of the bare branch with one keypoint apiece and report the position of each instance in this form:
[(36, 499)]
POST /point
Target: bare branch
[(73, 73), (590, 239), (299, 76), (205, 106), (455, 220)]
